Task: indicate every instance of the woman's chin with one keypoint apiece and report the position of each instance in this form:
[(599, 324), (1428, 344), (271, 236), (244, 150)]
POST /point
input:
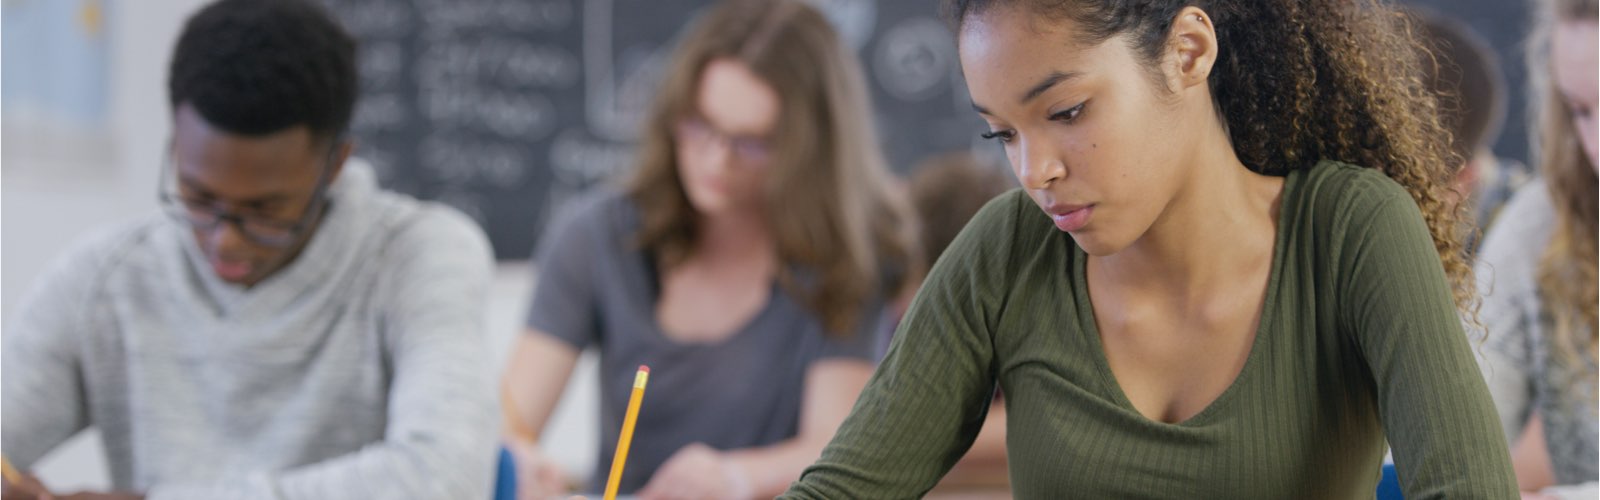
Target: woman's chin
[(1096, 244), (709, 204)]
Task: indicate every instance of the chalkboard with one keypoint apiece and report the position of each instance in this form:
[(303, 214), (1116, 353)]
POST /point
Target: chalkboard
[(1505, 25), (507, 108)]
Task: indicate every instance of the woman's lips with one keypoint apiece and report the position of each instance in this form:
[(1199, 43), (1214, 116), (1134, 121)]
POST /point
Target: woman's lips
[(1070, 218)]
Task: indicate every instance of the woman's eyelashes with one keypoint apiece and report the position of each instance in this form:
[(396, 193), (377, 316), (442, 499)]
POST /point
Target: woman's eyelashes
[(1069, 115), (1066, 116), (1000, 135)]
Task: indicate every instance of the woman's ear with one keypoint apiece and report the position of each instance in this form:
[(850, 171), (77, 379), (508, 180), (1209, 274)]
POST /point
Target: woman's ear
[(1191, 49)]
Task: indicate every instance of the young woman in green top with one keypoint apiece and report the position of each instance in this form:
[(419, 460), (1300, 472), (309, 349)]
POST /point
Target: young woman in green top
[(1229, 272)]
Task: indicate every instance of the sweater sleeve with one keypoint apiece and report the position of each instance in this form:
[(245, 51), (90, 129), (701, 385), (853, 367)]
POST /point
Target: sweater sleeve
[(928, 399), (43, 397), (1432, 401), (1506, 269), (439, 441)]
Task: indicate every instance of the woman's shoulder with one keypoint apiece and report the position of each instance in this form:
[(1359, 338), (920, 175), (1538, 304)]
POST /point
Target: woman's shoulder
[(602, 207), (1007, 224), (1006, 236), (597, 203), (601, 216), (1338, 200), (1012, 211), (1341, 214), (1335, 184)]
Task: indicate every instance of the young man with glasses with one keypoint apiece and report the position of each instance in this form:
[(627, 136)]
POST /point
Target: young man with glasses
[(286, 329)]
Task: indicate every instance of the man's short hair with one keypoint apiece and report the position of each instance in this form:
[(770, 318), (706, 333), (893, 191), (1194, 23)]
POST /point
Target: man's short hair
[(255, 67)]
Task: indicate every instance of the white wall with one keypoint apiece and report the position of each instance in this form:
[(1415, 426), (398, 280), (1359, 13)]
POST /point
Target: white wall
[(55, 187)]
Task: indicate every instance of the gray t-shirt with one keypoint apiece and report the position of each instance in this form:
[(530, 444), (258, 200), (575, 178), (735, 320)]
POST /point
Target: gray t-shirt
[(596, 287)]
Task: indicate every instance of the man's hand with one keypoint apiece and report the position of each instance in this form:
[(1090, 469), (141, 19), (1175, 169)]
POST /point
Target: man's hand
[(538, 477), (87, 495), (28, 489)]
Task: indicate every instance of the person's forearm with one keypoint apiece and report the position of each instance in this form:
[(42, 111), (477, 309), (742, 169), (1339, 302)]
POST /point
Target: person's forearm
[(1530, 457), (535, 376), (770, 469), (520, 422)]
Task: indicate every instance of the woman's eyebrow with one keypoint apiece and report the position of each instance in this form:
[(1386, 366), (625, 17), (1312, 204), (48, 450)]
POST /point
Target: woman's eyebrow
[(1046, 83)]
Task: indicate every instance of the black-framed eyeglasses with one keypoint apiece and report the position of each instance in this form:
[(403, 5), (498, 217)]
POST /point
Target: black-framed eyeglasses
[(265, 231), (696, 133)]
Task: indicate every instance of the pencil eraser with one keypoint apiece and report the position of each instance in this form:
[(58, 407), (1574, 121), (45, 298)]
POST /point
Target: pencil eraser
[(644, 368)]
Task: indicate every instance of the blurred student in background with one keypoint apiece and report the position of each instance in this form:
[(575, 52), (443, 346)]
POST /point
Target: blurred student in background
[(1537, 271), (748, 261), (1464, 75), (947, 190), (286, 329)]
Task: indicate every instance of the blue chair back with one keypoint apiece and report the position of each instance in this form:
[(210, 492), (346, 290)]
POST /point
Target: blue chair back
[(1389, 484), (505, 478)]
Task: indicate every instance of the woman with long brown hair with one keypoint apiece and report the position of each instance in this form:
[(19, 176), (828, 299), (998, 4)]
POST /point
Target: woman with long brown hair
[(747, 262), (1230, 271), (1538, 270)]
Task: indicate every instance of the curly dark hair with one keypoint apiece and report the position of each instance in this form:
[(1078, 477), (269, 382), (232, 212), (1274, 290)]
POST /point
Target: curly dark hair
[(1464, 72), (254, 67), (1298, 81)]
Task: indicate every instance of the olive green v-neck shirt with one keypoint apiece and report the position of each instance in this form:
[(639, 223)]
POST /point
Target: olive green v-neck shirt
[(1359, 340)]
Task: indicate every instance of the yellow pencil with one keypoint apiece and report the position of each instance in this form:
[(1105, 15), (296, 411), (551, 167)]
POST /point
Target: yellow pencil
[(11, 473), (626, 438)]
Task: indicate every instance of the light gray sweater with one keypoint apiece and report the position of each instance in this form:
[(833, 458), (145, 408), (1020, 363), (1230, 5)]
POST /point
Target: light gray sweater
[(1523, 372), (358, 371)]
